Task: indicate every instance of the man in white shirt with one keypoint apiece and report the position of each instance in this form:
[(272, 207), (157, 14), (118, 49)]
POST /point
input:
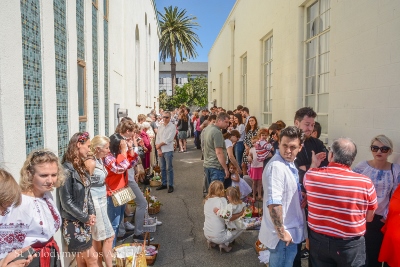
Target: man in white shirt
[(283, 224), (165, 151)]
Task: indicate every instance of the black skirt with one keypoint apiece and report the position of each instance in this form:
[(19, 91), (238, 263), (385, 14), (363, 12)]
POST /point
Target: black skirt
[(77, 235)]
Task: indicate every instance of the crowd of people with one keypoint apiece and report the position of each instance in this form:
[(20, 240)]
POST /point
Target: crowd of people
[(87, 177), (311, 195)]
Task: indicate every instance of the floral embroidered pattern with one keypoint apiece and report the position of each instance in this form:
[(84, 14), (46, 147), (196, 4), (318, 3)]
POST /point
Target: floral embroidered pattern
[(12, 236), (56, 217)]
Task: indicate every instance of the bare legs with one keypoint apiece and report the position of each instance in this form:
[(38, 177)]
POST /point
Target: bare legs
[(87, 258), (182, 145), (104, 251)]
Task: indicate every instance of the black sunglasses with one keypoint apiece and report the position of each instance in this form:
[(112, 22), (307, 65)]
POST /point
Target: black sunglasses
[(383, 149), (165, 117)]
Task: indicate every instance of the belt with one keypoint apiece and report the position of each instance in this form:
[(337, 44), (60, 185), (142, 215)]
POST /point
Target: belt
[(98, 185), (338, 238)]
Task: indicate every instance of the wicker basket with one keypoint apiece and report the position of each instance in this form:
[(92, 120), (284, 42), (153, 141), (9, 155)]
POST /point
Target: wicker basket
[(151, 228), (259, 246), (154, 210), (154, 183)]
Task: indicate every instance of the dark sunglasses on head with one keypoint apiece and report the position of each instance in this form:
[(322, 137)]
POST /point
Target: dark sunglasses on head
[(383, 149)]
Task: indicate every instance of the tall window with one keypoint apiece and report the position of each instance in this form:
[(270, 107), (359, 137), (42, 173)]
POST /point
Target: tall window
[(221, 87), (267, 77), (82, 90), (244, 79), (137, 66), (229, 89), (317, 60)]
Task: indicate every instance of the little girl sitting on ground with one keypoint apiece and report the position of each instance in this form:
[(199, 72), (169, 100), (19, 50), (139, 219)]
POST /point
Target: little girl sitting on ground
[(235, 206), (239, 182)]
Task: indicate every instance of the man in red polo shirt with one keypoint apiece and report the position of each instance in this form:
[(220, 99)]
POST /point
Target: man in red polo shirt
[(340, 202)]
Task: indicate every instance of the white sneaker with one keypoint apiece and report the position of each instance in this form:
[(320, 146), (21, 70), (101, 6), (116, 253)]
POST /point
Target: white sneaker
[(129, 226), (159, 222)]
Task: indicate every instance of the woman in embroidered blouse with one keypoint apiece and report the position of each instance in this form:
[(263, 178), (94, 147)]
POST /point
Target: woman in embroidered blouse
[(76, 201), (37, 217), (146, 144), (10, 197), (251, 131), (385, 176), (102, 230)]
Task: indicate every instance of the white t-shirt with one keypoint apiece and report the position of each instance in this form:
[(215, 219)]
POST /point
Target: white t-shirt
[(228, 144), (255, 163)]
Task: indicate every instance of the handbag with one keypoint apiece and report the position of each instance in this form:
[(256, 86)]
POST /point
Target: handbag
[(123, 195)]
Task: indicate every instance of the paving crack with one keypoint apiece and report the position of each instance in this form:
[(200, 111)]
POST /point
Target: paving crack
[(191, 233)]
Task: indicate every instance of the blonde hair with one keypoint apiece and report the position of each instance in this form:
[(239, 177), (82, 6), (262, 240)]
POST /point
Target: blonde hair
[(35, 158), (234, 194), (384, 140), (216, 189), (141, 117), (10, 192), (98, 141)]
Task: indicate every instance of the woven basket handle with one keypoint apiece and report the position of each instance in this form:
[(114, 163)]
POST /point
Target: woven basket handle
[(146, 236)]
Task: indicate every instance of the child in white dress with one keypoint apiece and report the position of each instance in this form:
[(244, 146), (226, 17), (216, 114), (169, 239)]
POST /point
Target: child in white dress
[(239, 182), (235, 205)]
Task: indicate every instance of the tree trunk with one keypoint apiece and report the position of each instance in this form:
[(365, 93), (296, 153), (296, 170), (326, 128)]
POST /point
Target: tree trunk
[(173, 74)]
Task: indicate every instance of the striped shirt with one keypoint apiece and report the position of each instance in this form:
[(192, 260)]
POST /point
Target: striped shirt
[(338, 200)]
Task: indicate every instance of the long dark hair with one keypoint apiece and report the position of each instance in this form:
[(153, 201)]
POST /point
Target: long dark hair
[(248, 126), (72, 153), (115, 141), (240, 118)]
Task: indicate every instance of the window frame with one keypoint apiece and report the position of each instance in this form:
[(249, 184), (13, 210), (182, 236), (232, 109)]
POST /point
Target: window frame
[(106, 12), (243, 78), (265, 64), (83, 118), (95, 3), (317, 69)]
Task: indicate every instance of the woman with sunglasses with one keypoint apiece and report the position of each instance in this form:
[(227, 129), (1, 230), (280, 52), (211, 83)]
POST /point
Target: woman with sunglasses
[(385, 176), (37, 219), (78, 211)]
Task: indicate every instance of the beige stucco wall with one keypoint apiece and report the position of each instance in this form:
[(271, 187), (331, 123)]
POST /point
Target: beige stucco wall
[(364, 79)]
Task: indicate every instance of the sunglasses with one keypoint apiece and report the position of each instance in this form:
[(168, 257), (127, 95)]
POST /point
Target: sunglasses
[(383, 149), (165, 117)]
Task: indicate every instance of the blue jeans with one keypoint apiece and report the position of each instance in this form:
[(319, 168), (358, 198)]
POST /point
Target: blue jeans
[(282, 255), (166, 168), (239, 149), (213, 174), (116, 215)]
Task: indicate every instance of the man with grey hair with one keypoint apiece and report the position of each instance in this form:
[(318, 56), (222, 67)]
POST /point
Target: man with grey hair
[(165, 151), (340, 202)]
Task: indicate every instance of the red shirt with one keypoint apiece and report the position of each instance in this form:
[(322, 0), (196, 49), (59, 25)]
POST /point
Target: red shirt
[(117, 177), (338, 200)]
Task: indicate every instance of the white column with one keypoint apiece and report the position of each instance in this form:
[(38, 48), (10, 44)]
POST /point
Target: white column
[(12, 109)]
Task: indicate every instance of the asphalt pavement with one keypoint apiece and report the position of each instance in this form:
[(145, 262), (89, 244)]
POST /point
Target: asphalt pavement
[(181, 238)]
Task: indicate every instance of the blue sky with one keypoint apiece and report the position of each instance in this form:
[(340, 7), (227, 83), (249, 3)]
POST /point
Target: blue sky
[(211, 15)]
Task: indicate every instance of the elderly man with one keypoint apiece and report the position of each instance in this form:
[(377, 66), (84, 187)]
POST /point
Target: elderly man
[(340, 202), (282, 226), (215, 167), (165, 151)]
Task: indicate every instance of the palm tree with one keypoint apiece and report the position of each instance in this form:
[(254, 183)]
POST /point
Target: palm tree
[(177, 36)]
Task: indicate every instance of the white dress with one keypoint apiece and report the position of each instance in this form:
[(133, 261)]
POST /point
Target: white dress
[(244, 187), (35, 220), (214, 225), (233, 226)]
